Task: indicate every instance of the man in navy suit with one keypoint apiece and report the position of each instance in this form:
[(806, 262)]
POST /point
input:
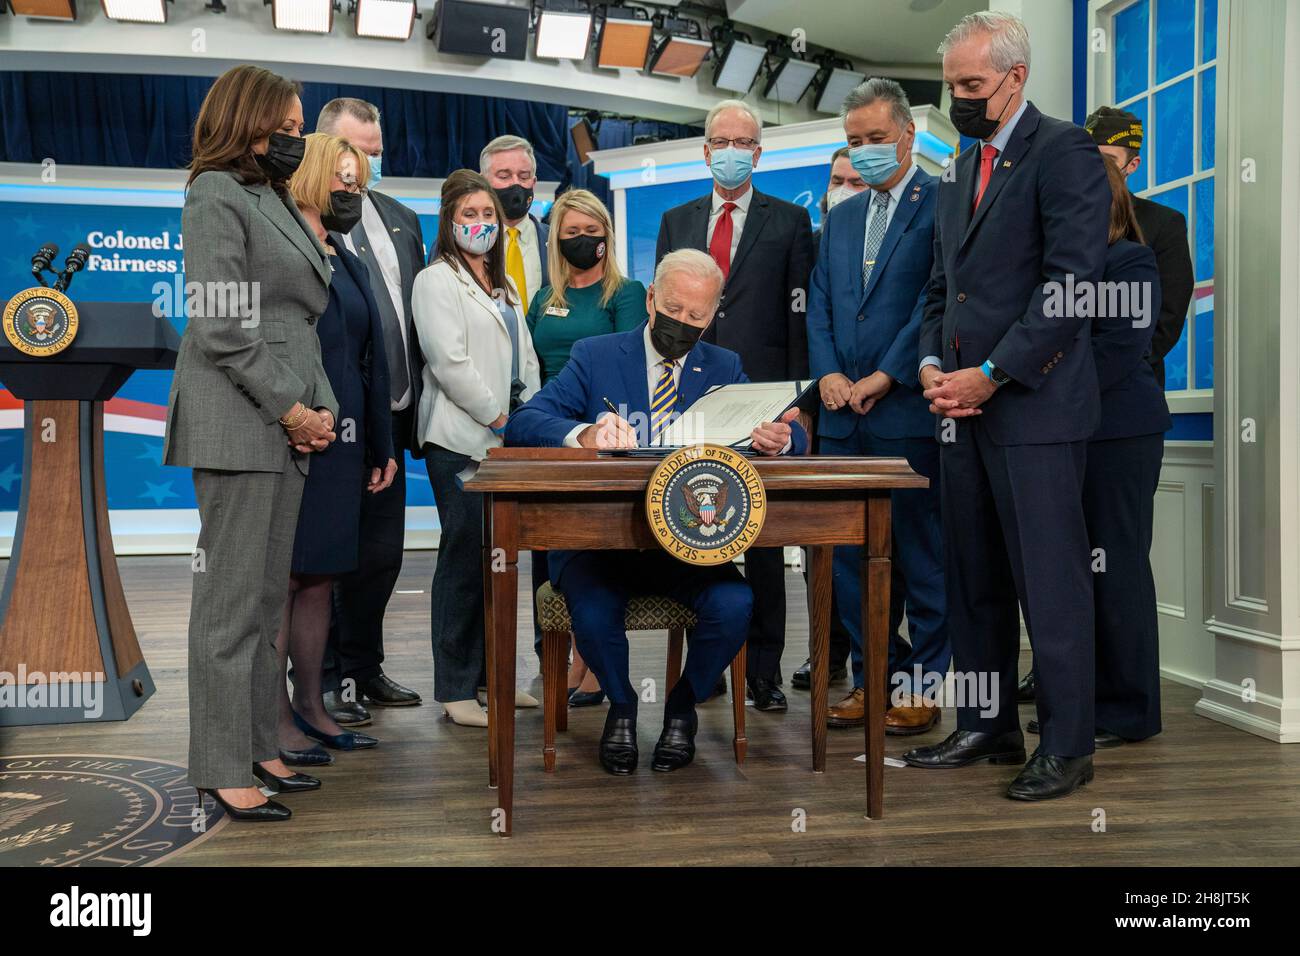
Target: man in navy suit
[(1009, 370), (651, 374), (864, 317)]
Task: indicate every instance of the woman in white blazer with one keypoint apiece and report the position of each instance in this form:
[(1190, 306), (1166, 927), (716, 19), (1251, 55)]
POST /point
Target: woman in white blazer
[(480, 364)]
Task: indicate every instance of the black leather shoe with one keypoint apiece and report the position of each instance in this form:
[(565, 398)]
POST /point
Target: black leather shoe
[(269, 812), (618, 753), (766, 695), (1027, 689), (1046, 777), (802, 678), (343, 712), (386, 692), (962, 747), (348, 740), (317, 756), (1101, 739), (296, 783), (586, 698), (676, 746)]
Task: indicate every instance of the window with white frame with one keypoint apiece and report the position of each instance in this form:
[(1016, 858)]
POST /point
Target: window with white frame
[(1162, 68)]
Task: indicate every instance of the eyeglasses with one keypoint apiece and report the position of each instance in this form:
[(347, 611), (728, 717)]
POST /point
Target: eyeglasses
[(745, 143), (349, 182)]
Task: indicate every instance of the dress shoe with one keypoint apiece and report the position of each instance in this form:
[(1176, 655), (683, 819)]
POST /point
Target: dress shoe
[(962, 747), (618, 753), (1101, 739), (316, 756), (915, 717), (802, 678), (766, 695), (1027, 689), (521, 699), (1046, 777), (348, 740), (295, 783), (466, 713), (850, 712), (268, 812), (345, 713), (586, 698), (676, 746), (386, 692)]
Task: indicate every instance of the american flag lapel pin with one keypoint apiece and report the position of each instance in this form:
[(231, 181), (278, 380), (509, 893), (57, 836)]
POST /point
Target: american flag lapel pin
[(696, 368), (1006, 164)]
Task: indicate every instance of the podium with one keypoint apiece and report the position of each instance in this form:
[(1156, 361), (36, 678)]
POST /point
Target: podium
[(62, 613)]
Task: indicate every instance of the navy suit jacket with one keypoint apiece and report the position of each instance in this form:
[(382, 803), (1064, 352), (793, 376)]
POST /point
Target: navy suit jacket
[(1045, 215), (856, 331), (614, 366), (1132, 401)]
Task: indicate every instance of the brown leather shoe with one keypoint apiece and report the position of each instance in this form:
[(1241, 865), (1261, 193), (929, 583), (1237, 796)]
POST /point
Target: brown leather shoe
[(850, 712), (916, 718)]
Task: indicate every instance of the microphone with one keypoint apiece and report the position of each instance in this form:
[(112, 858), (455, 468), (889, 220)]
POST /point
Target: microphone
[(41, 261), (75, 262)]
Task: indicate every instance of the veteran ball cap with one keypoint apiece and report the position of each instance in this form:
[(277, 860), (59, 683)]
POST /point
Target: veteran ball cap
[(1109, 126)]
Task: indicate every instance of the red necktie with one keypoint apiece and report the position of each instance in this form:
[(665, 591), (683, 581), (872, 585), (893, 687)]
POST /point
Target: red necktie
[(720, 244), (987, 157)]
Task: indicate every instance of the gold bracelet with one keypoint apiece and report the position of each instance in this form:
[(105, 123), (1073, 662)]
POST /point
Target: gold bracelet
[(291, 425)]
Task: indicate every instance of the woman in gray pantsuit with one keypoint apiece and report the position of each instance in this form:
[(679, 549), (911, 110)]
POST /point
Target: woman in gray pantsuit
[(249, 402)]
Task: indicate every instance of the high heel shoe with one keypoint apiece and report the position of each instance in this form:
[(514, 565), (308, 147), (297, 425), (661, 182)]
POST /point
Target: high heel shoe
[(348, 740), (586, 698), (316, 756), (466, 713), (295, 783), (268, 812)]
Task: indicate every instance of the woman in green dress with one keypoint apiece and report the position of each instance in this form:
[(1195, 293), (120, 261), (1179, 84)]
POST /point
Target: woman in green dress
[(588, 295)]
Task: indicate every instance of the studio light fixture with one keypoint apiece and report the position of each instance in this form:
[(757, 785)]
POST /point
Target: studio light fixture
[(136, 11), (385, 19), (303, 16), (471, 28), (681, 49), (45, 9), (562, 31), (738, 59), (788, 76), (835, 80), (624, 38)]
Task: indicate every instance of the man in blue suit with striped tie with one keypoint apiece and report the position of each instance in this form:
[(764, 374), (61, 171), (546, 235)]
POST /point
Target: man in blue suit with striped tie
[(651, 374), (864, 316)]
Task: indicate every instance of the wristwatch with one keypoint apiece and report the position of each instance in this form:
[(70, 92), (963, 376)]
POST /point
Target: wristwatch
[(995, 374)]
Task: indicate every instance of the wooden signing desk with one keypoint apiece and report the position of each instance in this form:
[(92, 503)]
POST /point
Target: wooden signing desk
[(550, 499)]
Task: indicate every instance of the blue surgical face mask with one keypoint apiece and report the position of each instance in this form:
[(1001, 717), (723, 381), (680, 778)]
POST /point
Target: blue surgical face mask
[(875, 162), (731, 166), (375, 174)]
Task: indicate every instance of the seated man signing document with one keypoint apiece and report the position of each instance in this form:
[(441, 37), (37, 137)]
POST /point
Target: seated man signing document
[(649, 374)]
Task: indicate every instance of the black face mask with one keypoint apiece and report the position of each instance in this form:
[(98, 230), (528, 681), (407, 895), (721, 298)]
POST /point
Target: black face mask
[(583, 252), (969, 114), (516, 200), (672, 338), (346, 212), (282, 157)]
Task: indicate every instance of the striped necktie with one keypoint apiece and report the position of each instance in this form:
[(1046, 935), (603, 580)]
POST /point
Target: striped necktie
[(662, 402)]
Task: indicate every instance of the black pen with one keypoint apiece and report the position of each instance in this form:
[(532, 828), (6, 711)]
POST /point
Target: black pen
[(610, 405)]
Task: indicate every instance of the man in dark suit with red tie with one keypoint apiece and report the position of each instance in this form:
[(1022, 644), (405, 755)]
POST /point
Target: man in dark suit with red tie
[(763, 245), (1010, 373)]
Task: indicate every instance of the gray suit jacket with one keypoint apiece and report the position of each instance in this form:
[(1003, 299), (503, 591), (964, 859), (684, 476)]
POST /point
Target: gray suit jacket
[(243, 362)]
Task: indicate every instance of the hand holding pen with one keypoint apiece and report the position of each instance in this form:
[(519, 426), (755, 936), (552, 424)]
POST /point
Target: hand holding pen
[(610, 431)]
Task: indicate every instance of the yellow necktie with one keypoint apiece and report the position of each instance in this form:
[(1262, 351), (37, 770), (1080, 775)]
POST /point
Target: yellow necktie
[(515, 264)]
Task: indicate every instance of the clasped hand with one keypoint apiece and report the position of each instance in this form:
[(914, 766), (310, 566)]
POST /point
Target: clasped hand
[(314, 433), (956, 394)]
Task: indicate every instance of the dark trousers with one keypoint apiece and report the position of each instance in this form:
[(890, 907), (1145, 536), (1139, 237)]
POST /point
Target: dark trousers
[(1014, 530), (765, 572), (917, 580), (597, 586), (456, 596), (840, 640), (356, 637), (1118, 504)]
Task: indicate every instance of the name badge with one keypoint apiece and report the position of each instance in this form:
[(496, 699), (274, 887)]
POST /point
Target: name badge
[(556, 310)]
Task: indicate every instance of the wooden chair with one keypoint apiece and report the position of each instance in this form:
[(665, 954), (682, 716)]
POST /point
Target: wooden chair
[(643, 614)]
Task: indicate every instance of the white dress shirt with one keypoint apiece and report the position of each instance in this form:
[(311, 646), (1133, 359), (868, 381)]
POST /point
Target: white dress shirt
[(381, 244), (737, 217)]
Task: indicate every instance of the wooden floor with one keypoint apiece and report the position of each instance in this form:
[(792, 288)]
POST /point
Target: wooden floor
[(1199, 794)]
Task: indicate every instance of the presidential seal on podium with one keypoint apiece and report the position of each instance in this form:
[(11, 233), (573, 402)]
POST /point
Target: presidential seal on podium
[(40, 321), (705, 504)]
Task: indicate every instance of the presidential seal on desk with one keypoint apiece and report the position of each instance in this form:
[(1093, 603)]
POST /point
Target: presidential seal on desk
[(40, 321), (705, 504)]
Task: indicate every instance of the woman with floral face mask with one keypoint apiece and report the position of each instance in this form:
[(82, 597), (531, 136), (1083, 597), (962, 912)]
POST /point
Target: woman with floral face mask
[(480, 365)]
